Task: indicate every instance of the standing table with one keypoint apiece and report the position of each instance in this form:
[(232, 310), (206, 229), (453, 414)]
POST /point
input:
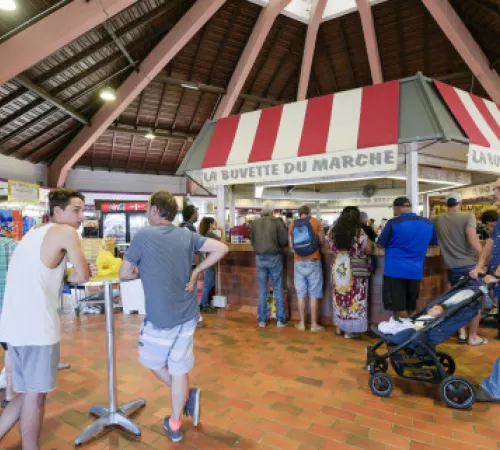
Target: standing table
[(112, 415)]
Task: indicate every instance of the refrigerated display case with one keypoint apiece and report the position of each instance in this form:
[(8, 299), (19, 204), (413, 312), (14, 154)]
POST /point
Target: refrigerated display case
[(114, 225), (136, 221)]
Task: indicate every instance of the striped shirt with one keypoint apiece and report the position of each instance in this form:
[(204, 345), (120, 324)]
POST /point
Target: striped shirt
[(7, 247)]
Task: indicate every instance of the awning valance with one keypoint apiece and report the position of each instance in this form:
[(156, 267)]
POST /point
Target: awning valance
[(480, 120), (343, 134)]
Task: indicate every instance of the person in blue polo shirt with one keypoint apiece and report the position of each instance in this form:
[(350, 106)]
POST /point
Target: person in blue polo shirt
[(405, 238)]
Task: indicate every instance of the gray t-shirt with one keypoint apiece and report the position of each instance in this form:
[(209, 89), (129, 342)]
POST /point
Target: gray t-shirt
[(453, 241), (164, 255)]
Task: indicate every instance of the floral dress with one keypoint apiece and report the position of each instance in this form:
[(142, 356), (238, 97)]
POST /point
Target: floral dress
[(349, 293)]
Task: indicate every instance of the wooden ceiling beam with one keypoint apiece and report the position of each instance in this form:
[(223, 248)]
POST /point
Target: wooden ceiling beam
[(365, 13), (214, 90), (259, 34), (222, 43), (316, 16), (54, 32), (30, 154), (161, 55), (28, 84), (159, 132), (345, 47), (463, 41)]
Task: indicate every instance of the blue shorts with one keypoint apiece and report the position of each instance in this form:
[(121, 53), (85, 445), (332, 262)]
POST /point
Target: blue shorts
[(455, 274), (308, 278)]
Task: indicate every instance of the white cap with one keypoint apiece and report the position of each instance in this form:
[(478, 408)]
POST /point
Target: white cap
[(453, 199)]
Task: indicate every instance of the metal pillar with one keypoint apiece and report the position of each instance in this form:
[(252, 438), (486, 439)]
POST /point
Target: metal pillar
[(412, 177), (232, 208), (111, 416), (318, 211), (221, 207)]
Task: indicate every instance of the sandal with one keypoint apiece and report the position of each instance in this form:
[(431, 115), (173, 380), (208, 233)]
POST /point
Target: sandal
[(483, 341), (300, 327), (317, 328), (462, 340)]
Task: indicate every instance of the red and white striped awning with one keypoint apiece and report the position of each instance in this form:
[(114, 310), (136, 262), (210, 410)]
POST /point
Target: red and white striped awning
[(354, 127), (480, 120)]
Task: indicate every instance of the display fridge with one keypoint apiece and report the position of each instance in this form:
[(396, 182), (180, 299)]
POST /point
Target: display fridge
[(122, 221)]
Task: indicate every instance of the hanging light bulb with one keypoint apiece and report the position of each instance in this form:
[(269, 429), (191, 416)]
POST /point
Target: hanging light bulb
[(150, 134), (8, 5), (107, 94)]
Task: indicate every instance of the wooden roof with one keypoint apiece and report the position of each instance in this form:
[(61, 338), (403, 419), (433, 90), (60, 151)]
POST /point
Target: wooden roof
[(34, 128)]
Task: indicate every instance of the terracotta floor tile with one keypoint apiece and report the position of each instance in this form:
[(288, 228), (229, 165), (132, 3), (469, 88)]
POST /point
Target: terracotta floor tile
[(256, 395)]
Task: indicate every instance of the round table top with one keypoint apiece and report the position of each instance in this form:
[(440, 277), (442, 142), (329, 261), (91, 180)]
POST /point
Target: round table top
[(100, 280)]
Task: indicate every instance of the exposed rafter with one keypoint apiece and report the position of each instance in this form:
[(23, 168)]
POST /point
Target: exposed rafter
[(54, 32), (365, 12), (161, 55), (461, 38), (159, 132), (109, 29), (259, 33), (28, 84), (317, 10)]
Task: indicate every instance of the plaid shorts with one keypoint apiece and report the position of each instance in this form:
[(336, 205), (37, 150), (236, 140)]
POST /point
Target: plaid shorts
[(168, 347)]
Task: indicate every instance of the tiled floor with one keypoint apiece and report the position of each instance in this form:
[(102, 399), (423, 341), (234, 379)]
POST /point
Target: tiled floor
[(265, 389)]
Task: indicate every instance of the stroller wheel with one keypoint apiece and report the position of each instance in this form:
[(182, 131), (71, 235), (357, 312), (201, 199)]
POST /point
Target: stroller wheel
[(381, 384), (457, 392), (447, 362)]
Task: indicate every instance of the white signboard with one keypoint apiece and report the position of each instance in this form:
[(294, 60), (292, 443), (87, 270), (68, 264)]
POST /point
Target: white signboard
[(483, 159), (369, 201), (24, 192), (350, 163)]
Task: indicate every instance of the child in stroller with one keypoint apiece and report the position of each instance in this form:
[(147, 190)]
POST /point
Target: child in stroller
[(412, 352)]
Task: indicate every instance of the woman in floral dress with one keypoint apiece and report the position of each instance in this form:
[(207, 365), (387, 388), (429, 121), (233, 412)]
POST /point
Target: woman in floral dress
[(350, 244)]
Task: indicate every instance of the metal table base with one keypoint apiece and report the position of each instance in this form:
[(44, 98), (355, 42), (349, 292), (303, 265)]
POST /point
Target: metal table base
[(111, 416)]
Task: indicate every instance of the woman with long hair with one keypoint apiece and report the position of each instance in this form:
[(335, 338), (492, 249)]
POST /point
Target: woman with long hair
[(350, 273), (207, 227)]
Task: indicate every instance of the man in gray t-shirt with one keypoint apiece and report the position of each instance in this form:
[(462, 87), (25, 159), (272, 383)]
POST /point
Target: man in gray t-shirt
[(162, 255), (460, 248)]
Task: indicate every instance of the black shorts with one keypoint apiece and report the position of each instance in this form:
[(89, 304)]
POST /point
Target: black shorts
[(400, 294), (4, 345)]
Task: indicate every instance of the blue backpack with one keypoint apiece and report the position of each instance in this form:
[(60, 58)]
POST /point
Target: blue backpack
[(304, 239)]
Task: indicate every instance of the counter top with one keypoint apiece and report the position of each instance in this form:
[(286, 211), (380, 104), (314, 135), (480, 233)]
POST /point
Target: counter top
[(247, 247)]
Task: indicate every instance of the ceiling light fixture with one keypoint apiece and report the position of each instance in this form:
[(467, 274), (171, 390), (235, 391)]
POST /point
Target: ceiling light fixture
[(8, 5), (190, 86), (108, 94), (150, 135)]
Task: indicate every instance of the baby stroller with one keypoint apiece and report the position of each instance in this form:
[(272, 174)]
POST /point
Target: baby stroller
[(413, 355)]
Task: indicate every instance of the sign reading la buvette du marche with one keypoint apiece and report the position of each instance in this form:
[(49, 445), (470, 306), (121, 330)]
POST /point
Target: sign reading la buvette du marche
[(483, 159), (349, 163)]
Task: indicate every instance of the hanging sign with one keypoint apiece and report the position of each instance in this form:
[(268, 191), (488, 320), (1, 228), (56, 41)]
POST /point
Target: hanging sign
[(22, 192), (349, 163), (124, 207), (483, 159)]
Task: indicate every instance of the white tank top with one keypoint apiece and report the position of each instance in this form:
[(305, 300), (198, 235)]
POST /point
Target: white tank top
[(30, 313)]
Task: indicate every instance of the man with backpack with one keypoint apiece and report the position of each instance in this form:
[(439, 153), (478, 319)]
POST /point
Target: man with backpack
[(306, 237), (268, 236)]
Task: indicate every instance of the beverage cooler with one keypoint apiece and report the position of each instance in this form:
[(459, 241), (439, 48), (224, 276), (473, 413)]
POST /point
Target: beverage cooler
[(122, 221)]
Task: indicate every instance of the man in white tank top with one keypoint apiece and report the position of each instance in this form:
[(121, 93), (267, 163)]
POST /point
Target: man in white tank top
[(30, 321)]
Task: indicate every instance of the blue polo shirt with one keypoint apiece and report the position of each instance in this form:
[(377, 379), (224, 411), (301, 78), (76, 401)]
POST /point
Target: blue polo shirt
[(406, 239), (495, 254)]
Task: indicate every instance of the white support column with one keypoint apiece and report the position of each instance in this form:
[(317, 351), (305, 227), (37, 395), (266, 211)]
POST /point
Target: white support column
[(427, 212), (232, 208), (318, 211), (412, 177), (220, 214)]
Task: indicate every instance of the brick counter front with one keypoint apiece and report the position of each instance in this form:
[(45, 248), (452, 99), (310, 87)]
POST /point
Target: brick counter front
[(239, 283)]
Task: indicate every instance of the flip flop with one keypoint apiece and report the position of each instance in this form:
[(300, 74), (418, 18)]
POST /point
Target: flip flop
[(462, 340), (483, 341)]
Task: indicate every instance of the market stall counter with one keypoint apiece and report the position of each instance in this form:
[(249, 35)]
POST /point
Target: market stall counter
[(239, 282)]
